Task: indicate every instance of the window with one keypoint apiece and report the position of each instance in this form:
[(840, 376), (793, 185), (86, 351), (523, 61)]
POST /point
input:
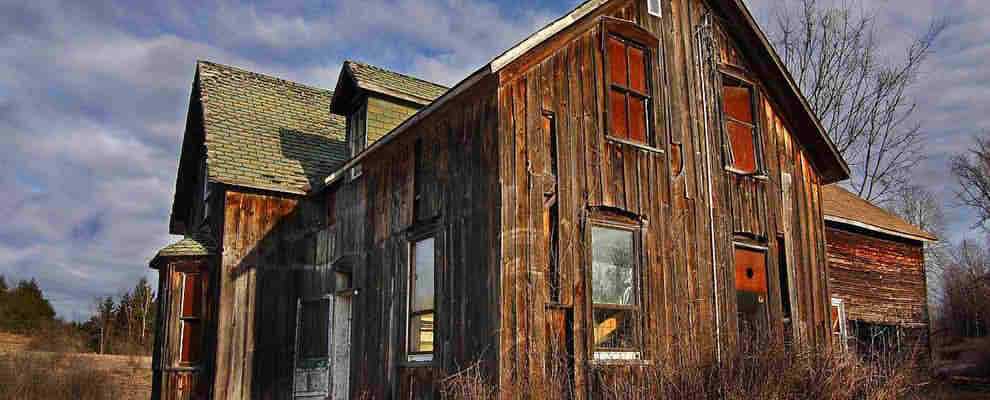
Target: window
[(785, 290), (838, 313), (629, 89), (357, 135), (751, 291), (422, 294), (653, 6), (740, 126), (614, 294), (191, 317)]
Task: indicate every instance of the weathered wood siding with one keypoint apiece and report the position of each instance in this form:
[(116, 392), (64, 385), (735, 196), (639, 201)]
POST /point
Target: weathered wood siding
[(880, 278), (688, 286), (452, 190), (263, 247), (171, 379)]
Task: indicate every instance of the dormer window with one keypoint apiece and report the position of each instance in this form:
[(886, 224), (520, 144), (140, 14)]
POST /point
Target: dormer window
[(357, 135)]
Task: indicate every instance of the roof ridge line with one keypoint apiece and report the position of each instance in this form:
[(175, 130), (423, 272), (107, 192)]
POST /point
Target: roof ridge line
[(264, 75), (404, 75)]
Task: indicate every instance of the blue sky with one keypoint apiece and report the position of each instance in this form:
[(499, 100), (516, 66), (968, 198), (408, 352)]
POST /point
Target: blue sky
[(93, 98)]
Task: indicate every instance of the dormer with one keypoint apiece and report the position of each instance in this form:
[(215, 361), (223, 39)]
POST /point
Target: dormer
[(374, 101)]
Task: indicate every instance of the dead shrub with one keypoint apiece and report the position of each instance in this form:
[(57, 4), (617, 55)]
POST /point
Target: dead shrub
[(49, 376)]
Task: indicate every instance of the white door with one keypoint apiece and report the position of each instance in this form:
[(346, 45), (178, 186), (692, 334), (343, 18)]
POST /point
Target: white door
[(323, 343)]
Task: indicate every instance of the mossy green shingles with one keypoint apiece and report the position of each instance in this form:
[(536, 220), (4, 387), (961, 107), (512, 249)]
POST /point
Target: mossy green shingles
[(268, 133), (373, 78), (384, 115)]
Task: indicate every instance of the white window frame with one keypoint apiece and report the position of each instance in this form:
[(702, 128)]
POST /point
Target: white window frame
[(654, 8)]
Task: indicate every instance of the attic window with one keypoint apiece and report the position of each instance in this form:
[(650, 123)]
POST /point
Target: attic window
[(357, 135)]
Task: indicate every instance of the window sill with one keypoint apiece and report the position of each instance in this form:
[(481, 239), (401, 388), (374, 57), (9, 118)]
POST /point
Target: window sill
[(755, 175), (634, 144), (618, 361), (417, 361)]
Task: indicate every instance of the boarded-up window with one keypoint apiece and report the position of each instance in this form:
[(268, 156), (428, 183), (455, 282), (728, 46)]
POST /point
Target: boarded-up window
[(191, 317), (614, 297), (629, 89), (751, 290), (422, 294), (740, 126)]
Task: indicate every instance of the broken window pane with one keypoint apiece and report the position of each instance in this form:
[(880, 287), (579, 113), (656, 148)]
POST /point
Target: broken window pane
[(612, 266)]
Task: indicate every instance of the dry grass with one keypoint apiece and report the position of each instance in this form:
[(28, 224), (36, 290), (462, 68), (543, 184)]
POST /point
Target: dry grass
[(763, 371), (46, 375)]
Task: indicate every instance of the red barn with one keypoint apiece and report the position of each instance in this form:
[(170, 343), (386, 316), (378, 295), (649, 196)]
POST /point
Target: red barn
[(876, 273)]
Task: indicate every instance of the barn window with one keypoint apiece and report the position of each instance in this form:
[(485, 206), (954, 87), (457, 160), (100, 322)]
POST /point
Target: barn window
[(614, 292), (357, 135), (653, 6), (738, 110), (838, 316), (422, 294), (191, 317), (751, 290), (628, 50)]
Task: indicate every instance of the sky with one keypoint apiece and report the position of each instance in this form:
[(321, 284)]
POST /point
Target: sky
[(93, 97)]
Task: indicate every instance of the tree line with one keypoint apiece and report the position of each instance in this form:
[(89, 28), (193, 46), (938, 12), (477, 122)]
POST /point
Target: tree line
[(122, 324)]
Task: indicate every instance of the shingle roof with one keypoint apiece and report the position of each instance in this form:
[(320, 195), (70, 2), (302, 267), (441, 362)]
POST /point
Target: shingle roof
[(199, 244), (268, 133), (376, 79), (842, 206)]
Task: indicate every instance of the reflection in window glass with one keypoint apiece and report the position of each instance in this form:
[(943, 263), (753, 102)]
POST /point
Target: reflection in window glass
[(422, 293), (613, 289)]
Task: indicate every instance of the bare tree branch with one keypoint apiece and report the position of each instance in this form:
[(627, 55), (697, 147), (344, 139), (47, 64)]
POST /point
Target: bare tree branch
[(859, 94)]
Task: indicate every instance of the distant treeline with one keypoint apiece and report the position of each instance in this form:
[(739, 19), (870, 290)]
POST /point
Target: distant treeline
[(119, 325)]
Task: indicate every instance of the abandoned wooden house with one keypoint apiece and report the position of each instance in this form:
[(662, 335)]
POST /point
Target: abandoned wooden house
[(876, 272), (638, 181)]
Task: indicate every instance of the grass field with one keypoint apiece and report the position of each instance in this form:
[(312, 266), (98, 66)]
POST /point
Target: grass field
[(28, 374)]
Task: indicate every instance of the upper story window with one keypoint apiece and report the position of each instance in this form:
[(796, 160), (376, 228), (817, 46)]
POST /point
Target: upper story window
[(357, 135), (628, 53), (615, 291), (739, 110), (422, 296)]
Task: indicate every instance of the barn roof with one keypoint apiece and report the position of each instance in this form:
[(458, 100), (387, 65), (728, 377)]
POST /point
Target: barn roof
[(843, 207)]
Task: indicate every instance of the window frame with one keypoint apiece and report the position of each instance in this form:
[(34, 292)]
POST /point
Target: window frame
[(184, 320), (636, 228), (726, 74), (765, 251), (632, 35), (357, 141), (431, 231)]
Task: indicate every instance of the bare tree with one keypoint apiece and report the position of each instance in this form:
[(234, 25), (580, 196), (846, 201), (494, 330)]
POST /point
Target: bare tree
[(972, 171), (859, 94)]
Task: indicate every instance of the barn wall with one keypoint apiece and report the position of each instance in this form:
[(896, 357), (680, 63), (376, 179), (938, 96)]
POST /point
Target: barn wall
[(881, 279), (688, 286), (452, 190)]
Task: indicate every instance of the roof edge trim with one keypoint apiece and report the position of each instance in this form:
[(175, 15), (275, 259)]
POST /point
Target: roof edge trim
[(459, 88), (875, 228), (543, 34)]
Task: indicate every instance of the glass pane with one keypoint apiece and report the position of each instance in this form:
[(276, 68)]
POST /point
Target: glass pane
[(314, 324), (421, 333), (612, 266), (637, 119), (616, 62), (617, 114), (422, 280), (614, 329), (743, 146), (738, 102), (190, 342), (191, 296), (637, 70)]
